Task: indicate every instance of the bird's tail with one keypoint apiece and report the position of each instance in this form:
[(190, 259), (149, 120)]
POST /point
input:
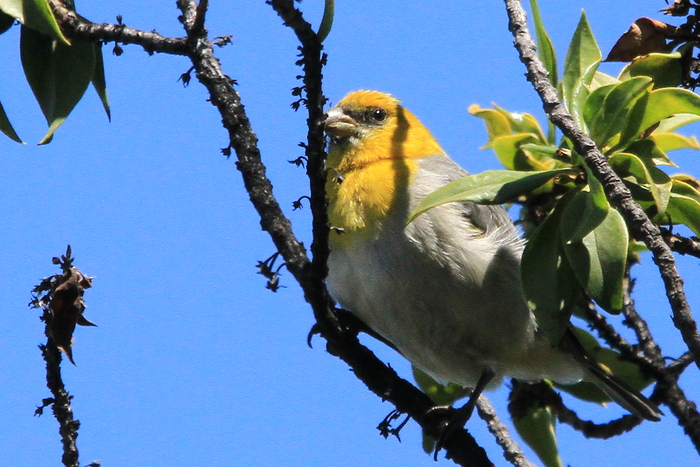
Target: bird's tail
[(611, 385), (622, 393)]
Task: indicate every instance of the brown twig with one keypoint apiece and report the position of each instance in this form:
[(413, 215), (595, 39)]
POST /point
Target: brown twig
[(511, 450), (61, 399), (77, 27), (680, 244)]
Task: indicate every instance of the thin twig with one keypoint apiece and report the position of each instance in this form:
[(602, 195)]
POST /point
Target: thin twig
[(681, 244), (511, 450), (77, 27)]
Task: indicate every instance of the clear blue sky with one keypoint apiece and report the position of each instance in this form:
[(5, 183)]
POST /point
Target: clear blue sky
[(194, 362)]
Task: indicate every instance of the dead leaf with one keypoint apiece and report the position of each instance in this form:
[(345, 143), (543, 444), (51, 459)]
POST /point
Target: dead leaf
[(643, 37), (67, 309)]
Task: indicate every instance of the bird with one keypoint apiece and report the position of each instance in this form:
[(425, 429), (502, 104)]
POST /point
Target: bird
[(445, 289)]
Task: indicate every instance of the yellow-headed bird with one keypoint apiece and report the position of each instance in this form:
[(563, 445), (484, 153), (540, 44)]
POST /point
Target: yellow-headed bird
[(445, 289)]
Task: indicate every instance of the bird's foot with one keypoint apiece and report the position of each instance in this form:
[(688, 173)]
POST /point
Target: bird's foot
[(452, 420)]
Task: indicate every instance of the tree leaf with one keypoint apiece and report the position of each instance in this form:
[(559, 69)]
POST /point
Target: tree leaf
[(675, 122), (522, 123), (57, 73), (673, 141), (34, 14), (645, 172), (537, 428), (661, 104), (545, 47), (599, 261), (649, 151), (98, 79), (645, 36), (507, 149), (496, 123), (6, 22), (581, 62), (489, 187), (606, 108), (327, 21), (665, 69), (549, 284), (684, 210), (6, 126), (441, 394), (546, 52), (583, 214)]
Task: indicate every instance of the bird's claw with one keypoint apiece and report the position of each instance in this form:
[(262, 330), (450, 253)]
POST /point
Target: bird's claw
[(452, 420)]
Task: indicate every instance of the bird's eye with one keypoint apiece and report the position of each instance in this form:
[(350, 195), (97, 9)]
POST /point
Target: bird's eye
[(379, 115)]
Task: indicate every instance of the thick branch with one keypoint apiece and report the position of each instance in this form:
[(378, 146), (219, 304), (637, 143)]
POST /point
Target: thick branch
[(639, 224)]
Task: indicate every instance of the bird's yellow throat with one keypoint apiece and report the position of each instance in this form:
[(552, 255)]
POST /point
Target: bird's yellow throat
[(365, 181)]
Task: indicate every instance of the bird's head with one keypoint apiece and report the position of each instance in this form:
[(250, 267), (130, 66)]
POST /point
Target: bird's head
[(367, 126)]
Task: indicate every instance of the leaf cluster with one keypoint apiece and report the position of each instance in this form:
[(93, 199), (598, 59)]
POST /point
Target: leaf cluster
[(58, 70), (579, 245)]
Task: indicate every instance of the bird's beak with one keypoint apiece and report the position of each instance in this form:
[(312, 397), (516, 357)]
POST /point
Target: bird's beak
[(339, 124)]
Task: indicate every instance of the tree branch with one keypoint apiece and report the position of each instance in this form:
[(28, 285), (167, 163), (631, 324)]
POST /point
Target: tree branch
[(77, 27), (511, 450), (680, 244)]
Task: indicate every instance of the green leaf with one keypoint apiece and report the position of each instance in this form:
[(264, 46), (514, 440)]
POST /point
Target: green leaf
[(496, 123), (439, 393), (685, 185), (507, 149), (534, 420), (545, 47), (490, 187), (6, 126), (684, 210), (606, 108), (58, 74), (675, 122), (548, 281), (6, 22), (647, 150), (522, 122), (661, 104), (98, 79), (665, 69), (602, 79), (673, 141), (581, 61), (537, 427), (583, 214), (327, 21), (545, 50), (34, 14), (599, 261), (645, 172)]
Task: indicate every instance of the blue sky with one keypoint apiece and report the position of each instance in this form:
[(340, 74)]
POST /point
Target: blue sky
[(194, 362)]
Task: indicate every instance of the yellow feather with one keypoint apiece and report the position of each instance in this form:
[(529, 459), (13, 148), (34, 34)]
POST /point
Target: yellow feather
[(366, 179)]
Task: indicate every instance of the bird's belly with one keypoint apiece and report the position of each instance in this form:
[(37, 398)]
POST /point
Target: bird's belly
[(444, 322)]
